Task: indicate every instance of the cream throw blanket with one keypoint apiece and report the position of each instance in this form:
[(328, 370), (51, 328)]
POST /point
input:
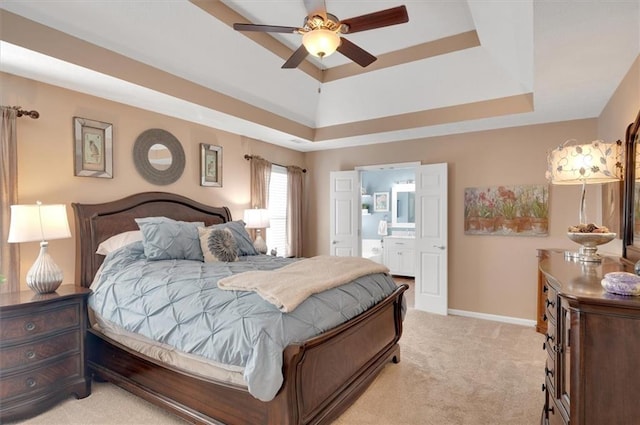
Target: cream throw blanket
[(289, 286)]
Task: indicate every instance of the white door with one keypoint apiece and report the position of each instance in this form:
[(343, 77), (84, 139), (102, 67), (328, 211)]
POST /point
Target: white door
[(431, 292), (345, 214)]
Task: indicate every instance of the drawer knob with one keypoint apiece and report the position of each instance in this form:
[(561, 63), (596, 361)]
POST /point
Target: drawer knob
[(31, 382), (550, 409), (29, 326), (31, 354), (549, 337), (548, 372), (544, 388), (550, 303), (545, 288)]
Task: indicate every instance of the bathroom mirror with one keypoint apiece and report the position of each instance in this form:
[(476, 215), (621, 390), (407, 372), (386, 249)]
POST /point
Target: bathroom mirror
[(631, 211), (158, 156), (403, 205)]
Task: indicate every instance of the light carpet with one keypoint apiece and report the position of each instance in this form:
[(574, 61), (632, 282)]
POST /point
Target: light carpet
[(453, 371)]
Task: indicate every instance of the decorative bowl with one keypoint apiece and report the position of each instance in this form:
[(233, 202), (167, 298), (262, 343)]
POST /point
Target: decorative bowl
[(590, 242), (621, 283), (591, 239)]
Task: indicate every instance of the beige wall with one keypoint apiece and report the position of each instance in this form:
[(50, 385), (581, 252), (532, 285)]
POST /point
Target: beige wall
[(46, 147), (623, 106), (487, 274), (491, 274), (619, 112)]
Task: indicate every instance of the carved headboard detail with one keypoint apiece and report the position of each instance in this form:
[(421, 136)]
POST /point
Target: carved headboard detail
[(96, 223)]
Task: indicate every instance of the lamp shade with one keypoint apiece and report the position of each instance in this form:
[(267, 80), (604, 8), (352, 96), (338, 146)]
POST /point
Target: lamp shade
[(257, 218), (321, 42), (38, 223), (595, 162)]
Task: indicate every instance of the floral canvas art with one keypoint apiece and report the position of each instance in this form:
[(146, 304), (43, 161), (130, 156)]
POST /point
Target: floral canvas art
[(521, 210)]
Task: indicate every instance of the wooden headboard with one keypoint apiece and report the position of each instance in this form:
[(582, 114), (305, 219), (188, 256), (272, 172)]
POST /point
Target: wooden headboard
[(96, 223)]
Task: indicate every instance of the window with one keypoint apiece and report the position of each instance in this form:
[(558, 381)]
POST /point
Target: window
[(277, 232)]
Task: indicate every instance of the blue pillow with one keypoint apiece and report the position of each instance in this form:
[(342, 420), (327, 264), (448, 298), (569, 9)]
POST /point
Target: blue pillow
[(167, 239), (240, 234)]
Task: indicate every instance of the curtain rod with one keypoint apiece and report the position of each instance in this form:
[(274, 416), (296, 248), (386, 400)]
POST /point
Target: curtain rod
[(21, 112), (248, 157)]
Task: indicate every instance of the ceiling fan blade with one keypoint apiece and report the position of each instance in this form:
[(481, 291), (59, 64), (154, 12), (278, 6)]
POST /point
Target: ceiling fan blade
[(296, 58), (315, 7), (382, 18), (355, 53), (264, 28)]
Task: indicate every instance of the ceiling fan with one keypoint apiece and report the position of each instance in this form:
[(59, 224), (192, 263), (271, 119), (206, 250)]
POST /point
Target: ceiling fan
[(321, 32)]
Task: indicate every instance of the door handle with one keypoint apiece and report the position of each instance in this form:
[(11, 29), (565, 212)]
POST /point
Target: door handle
[(442, 247)]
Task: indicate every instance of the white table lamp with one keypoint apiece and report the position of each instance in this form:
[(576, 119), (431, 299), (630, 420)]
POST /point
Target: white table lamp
[(257, 218), (40, 223), (595, 162)]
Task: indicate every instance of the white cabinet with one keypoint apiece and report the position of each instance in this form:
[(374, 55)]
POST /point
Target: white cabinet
[(399, 255)]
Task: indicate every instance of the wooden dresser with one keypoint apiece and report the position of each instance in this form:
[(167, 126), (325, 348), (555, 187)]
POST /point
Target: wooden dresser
[(592, 373), (42, 354)]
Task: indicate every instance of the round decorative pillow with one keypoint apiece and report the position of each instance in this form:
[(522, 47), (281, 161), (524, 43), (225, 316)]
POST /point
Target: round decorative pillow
[(222, 245)]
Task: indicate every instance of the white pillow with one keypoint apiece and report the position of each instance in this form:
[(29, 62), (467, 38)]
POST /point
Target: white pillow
[(118, 241)]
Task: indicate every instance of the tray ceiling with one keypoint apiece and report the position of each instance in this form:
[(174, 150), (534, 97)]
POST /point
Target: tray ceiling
[(456, 66)]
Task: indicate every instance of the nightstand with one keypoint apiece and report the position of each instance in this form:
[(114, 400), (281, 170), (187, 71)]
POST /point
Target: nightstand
[(42, 350)]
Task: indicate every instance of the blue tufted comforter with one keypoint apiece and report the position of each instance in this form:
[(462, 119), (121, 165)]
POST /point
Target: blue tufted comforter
[(177, 302)]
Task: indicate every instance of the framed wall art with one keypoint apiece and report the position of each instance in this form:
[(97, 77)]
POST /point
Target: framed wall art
[(93, 148), (210, 165), (518, 210), (381, 201)]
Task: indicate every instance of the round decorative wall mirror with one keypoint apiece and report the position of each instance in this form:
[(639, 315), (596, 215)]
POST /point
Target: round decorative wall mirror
[(158, 156)]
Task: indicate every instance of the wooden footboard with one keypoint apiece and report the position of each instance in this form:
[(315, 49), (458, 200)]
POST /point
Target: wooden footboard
[(323, 376)]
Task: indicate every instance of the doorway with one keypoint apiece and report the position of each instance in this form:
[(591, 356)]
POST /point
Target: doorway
[(429, 252), (385, 219)]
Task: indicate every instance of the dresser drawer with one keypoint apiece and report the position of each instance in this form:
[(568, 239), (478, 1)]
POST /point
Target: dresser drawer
[(37, 351), (555, 416), (550, 340), (392, 242), (40, 322), (550, 374), (551, 303), (42, 379)]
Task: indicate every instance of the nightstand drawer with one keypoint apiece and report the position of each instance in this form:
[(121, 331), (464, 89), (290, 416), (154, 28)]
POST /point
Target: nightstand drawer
[(40, 379), (39, 323), (34, 352)]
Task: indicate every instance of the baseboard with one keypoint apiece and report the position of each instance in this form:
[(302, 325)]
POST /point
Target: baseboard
[(494, 317)]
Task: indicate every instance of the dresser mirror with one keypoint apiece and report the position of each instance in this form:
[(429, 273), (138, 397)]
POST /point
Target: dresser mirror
[(403, 205), (631, 209)]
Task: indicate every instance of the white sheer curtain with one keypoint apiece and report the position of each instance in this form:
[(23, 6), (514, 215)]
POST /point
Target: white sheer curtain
[(295, 191), (9, 253)]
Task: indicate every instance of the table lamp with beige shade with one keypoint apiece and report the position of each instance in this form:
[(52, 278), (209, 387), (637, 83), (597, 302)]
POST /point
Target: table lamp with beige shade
[(38, 222)]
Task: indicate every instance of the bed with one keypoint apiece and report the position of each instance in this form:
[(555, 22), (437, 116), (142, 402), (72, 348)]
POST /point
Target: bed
[(322, 376)]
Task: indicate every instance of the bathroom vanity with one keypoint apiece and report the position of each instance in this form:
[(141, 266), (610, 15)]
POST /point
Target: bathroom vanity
[(399, 255)]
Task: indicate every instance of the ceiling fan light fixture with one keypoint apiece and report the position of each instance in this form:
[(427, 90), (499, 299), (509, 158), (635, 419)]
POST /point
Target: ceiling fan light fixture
[(321, 42)]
